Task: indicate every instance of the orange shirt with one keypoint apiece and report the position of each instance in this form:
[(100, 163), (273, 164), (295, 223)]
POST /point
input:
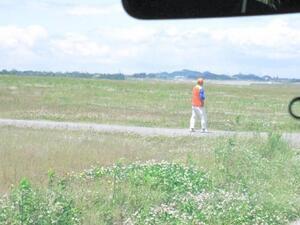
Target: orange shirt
[(196, 100)]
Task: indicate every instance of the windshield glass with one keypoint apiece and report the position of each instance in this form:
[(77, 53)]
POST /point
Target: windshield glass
[(106, 119)]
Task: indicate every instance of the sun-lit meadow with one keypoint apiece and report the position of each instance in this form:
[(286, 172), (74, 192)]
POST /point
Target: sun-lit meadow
[(146, 103), (83, 177)]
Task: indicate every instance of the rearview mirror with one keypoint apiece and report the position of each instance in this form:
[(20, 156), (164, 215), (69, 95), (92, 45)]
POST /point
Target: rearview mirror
[(172, 9)]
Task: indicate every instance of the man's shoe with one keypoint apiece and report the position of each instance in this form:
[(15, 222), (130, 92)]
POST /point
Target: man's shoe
[(204, 130), (192, 130)]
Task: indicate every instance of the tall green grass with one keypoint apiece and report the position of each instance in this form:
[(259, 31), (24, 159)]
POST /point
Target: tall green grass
[(250, 182)]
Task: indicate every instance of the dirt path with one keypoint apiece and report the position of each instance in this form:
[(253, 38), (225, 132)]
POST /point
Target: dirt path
[(292, 138)]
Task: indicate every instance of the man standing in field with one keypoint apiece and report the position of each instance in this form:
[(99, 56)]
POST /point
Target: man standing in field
[(198, 109)]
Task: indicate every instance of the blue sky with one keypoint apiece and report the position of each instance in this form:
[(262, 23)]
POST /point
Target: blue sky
[(98, 36)]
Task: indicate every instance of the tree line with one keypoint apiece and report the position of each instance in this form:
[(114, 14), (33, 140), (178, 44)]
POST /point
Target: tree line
[(117, 76)]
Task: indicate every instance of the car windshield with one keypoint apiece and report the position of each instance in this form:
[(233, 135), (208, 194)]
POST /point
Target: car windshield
[(106, 119)]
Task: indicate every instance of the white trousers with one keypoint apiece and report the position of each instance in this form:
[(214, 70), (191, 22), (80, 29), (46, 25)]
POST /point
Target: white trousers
[(199, 113)]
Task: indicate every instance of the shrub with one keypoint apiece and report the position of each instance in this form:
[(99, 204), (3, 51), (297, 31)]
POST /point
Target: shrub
[(29, 206)]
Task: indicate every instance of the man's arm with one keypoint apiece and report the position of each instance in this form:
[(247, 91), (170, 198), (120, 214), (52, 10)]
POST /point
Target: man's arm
[(202, 94)]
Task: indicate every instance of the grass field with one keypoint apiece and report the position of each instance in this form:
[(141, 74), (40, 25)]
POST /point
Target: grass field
[(82, 177), (31, 153), (146, 103), (99, 178)]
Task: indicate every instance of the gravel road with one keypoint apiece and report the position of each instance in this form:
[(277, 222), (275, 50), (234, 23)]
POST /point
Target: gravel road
[(292, 138)]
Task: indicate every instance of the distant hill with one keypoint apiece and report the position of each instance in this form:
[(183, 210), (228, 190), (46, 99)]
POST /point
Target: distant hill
[(190, 74), (184, 74), (211, 76), (248, 77)]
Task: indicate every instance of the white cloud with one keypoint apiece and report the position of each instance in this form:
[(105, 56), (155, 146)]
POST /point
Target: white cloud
[(79, 45), (134, 34), (94, 10), (126, 52), (16, 37), (21, 47), (274, 40)]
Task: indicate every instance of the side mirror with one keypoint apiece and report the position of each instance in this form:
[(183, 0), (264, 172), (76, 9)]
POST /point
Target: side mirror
[(175, 9), (294, 108)]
